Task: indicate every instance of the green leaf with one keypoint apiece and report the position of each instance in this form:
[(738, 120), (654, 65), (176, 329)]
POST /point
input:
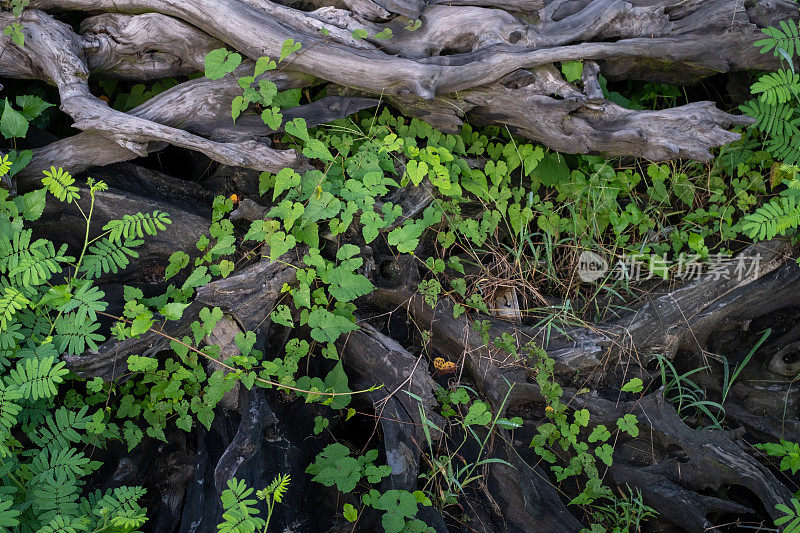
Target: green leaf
[(359, 33), (572, 70), (272, 117), (264, 64), (280, 243), (287, 178), (334, 466), (413, 25), (245, 341), (282, 315), (289, 47), (32, 106), (599, 433), (327, 327), (138, 363), (197, 278), (628, 424), (605, 453), (416, 171), (133, 435), (635, 385), (336, 381), (12, 123), (350, 513), (14, 30), (221, 62), (316, 149), (582, 417), (173, 310), (386, 33), (512, 423), (226, 267), (297, 128), (399, 505), (552, 169), (405, 238), (141, 323), (478, 414)]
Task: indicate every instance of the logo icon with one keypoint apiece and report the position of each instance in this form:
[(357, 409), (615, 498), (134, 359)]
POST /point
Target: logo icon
[(591, 266)]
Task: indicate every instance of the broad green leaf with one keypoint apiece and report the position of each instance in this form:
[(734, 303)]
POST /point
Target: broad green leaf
[(221, 62), (12, 123), (327, 327), (289, 47)]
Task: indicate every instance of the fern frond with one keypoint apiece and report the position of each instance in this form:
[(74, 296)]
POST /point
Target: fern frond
[(778, 120), (11, 301), (777, 87), (64, 524), (129, 519), (108, 256), (64, 464), (282, 486), (8, 516), (55, 496), (9, 409), (37, 378), (136, 226), (239, 515), (28, 263), (236, 494), (785, 149), (120, 506), (60, 430), (786, 37), (75, 333), (87, 301), (772, 219), (60, 184)]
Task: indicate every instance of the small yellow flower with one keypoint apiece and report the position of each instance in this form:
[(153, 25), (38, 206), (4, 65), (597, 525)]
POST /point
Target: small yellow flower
[(548, 409)]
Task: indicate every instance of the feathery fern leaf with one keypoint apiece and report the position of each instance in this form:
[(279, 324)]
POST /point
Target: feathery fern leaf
[(11, 301), (786, 150), (777, 87), (774, 218), (778, 120), (786, 37), (76, 332), (86, 302), (30, 263), (37, 378), (239, 516), (60, 430), (108, 256), (135, 226), (55, 496), (60, 184), (8, 516), (281, 487), (9, 409), (64, 524), (64, 464)]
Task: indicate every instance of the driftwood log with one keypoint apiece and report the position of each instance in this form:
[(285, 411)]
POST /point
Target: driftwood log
[(489, 62)]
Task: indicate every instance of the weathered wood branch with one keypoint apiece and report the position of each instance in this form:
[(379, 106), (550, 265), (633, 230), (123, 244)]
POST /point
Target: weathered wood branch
[(55, 51)]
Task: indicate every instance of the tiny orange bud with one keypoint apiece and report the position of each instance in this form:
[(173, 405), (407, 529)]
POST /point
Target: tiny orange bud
[(235, 198)]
